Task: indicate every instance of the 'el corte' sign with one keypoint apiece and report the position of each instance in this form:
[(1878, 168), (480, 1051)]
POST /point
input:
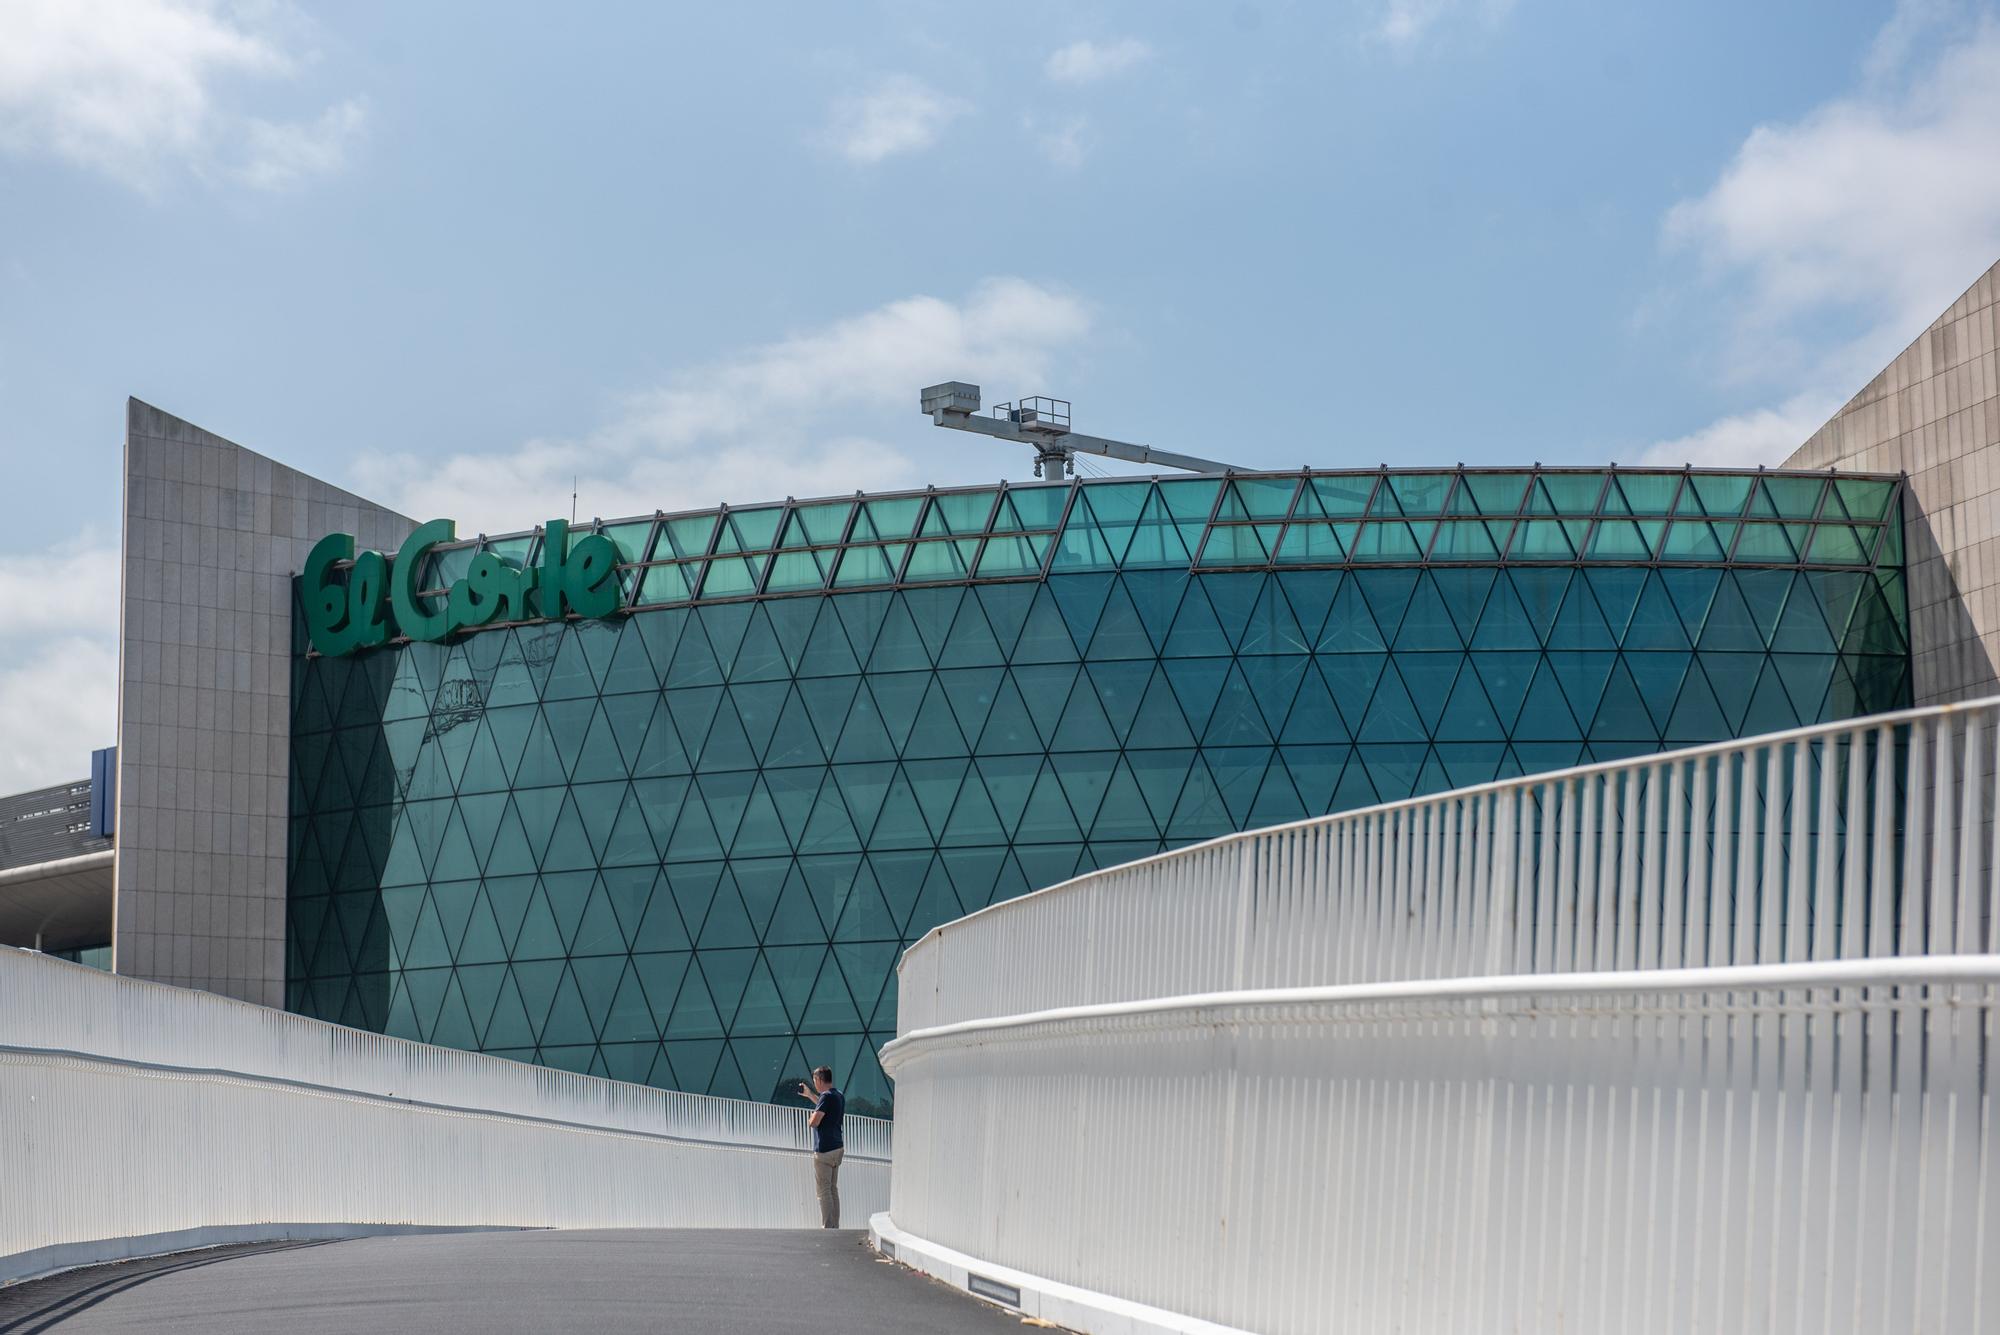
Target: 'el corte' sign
[(381, 599)]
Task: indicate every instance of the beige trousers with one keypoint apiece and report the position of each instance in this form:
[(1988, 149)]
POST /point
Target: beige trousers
[(826, 1181)]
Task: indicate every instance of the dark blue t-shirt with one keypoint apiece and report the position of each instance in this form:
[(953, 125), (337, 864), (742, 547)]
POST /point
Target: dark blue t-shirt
[(826, 1136)]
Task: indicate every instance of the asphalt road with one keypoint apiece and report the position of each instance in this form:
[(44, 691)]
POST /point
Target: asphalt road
[(608, 1282)]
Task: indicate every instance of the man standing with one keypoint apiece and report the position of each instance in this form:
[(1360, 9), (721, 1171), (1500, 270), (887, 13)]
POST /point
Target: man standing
[(829, 1111)]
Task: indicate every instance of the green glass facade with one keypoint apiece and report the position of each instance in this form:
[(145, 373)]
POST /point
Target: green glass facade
[(686, 846)]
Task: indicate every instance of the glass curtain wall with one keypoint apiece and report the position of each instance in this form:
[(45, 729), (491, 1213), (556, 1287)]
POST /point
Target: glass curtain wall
[(686, 847)]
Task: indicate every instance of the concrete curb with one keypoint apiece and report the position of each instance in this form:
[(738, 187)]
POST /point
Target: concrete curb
[(1064, 1304)]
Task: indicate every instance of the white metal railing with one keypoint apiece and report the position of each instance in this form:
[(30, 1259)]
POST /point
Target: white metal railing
[(132, 1110), (1800, 1148), (1716, 855), (1698, 1041)]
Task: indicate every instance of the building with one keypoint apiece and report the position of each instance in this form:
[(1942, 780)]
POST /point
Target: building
[(665, 844), (56, 866), (668, 808)]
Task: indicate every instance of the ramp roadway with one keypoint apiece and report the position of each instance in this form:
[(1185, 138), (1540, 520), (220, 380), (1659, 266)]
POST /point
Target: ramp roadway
[(609, 1282)]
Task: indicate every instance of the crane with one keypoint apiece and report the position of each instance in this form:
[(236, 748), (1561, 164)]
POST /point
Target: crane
[(1043, 425)]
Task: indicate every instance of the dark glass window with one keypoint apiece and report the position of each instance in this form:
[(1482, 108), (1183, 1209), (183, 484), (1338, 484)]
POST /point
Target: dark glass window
[(686, 847)]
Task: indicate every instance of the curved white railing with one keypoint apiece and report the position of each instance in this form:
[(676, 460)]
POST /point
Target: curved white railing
[(1551, 873), (1804, 1147), (136, 1117), (1699, 1041)]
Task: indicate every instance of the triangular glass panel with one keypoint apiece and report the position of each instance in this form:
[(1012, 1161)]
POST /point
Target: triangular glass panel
[(1160, 538), (864, 915), (598, 931), (1007, 610), (1351, 678), (1427, 623), (661, 978), (1387, 594), (1008, 728), (1838, 592), (1765, 542), (1504, 622), (827, 652), (1008, 782), (1697, 717), (1733, 678), (1391, 715), (1654, 623), (1505, 677), (1161, 775), (794, 921), (1658, 675), (726, 973), (1197, 684), (1582, 676), (828, 702), (1729, 625), (1621, 711), (1429, 678), (1691, 592), (1545, 711), (537, 809), (1721, 495), (1694, 540), (791, 621), (1393, 768), (1581, 624), (1806, 679), (898, 646), (1771, 707), (774, 998)]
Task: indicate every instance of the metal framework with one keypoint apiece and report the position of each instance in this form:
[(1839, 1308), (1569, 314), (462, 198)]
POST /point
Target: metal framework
[(1043, 425), (1301, 519)]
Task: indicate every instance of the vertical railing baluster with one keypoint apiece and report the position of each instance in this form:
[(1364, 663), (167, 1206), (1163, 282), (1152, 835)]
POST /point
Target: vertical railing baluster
[(1677, 889)]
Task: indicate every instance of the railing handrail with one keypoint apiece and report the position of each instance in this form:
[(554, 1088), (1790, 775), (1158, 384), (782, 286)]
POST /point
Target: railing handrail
[(142, 1118), (1893, 971), (331, 1037), (18, 1052), (1865, 723)]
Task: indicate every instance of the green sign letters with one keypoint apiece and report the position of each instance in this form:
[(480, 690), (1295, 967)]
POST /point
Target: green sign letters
[(379, 599)]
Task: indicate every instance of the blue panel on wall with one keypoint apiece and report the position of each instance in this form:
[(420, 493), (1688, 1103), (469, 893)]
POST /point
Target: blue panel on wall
[(104, 792)]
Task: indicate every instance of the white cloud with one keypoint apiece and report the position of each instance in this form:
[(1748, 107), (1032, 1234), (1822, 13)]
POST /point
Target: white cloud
[(1913, 22), (898, 115), (58, 664), (1404, 24), (1868, 215), (281, 156), (1745, 440), (40, 592), (1063, 144), (56, 707), (1087, 62), (803, 416), (1885, 204), (130, 88)]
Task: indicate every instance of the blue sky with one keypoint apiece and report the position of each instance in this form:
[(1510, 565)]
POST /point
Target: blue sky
[(452, 255)]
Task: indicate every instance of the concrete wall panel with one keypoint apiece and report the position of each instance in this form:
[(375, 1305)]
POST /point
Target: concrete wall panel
[(1934, 413), (213, 534)]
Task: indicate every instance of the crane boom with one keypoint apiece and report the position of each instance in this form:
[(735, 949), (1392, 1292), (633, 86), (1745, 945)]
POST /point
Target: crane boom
[(1043, 426)]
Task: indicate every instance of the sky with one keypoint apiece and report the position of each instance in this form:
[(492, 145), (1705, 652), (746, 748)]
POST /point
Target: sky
[(461, 257)]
